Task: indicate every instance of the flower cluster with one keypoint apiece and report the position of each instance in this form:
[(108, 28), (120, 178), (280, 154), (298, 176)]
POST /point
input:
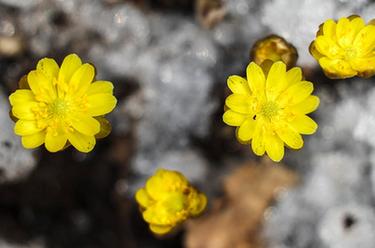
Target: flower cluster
[(62, 106), (58, 106), (270, 110), (167, 200), (345, 48)]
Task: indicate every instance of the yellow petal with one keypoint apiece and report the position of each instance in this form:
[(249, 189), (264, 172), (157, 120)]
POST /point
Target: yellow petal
[(42, 86), (357, 24), (276, 80), (294, 75), (365, 40), (328, 47), (158, 229), (342, 29), (257, 143), (34, 140), (336, 68), (274, 147), (81, 79), (24, 110), (69, 66), (295, 93), (158, 185), (233, 118), (49, 67), (100, 87), (243, 142), (246, 130), (329, 29), (304, 124), (314, 51), (143, 198), (347, 30), (24, 127), (240, 103), (238, 85), (55, 142), (159, 214), (85, 124), (156, 188), (101, 104), (201, 205), (364, 66), (174, 202), (81, 142), (21, 96), (307, 106), (256, 80), (33, 81), (289, 135)]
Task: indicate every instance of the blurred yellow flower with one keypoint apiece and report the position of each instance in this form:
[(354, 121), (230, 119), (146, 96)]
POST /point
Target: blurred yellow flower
[(274, 48), (345, 48), (270, 110), (167, 200), (62, 106)]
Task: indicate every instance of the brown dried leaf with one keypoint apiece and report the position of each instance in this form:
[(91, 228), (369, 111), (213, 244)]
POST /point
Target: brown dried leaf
[(235, 221)]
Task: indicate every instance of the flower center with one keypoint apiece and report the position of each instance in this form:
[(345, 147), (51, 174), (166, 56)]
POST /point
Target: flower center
[(175, 202), (350, 53), (51, 115), (56, 115), (59, 108), (269, 109)]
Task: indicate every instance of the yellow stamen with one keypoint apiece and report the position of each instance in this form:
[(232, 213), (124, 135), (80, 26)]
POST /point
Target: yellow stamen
[(270, 109)]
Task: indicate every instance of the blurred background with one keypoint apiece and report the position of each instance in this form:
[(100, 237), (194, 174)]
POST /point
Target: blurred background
[(169, 61)]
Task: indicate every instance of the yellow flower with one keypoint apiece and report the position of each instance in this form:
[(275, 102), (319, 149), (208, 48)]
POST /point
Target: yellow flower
[(270, 110), (274, 48), (345, 48), (167, 200), (62, 106)]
